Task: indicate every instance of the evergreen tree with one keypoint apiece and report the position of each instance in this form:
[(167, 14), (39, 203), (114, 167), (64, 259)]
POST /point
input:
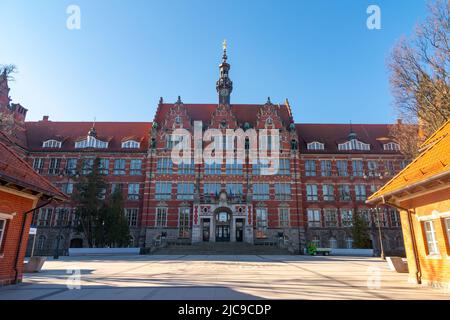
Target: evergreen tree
[(90, 210), (117, 231), (360, 232)]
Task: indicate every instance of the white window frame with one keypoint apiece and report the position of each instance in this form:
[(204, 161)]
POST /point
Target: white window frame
[(52, 143), (315, 145), (354, 144), (183, 229), (132, 214), (131, 144), (2, 233), (314, 218), (161, 223), (91, 142), (391, 146), (283, 217), (430, 238)]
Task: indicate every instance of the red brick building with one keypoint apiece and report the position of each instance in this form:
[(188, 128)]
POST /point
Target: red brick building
[(21, 189), (326, 172)]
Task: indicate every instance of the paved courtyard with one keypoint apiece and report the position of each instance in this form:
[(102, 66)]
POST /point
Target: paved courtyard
[(218, 277)]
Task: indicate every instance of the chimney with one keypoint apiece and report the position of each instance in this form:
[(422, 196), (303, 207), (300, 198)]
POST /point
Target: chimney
[(45, 118)]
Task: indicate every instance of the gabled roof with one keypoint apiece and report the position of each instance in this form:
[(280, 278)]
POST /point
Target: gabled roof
[(15, 170), (203, 112), (333, 134), (432, 163), (69, 132)]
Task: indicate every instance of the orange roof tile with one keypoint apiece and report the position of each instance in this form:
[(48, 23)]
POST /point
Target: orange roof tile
[(433, 161)]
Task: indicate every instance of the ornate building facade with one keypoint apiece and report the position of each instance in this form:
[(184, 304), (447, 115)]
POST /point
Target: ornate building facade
[(325, 174)]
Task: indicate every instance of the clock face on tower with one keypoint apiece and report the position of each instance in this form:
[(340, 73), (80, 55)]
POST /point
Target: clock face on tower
[(224, 92)]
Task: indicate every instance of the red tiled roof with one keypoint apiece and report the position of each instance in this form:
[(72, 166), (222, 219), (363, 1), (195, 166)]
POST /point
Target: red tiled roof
[(333, 134), (15, 170), (70, 132)]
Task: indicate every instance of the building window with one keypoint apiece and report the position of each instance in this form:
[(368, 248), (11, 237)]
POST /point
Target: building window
[(344, 192), (360, 192), (71, 166), (403, 164), (389, 167), (347, 217), (91, 142), (395, 218), (315, 146), (2, 232), (342, 168), (45, 217), (261, 222), (311, 192), (38, 165), (366, 216), (310, 168), (104, 167), (213, 168), (53, 168), (261, 191), (54, 144), (130, 144), (283, 217), (119, 167), (316, 241), (333, 243), (234, 189), (328, 192), (164, 166), (116, 187), (314, 218), (133, 191), (163, 190), (186, 168), (391, 146), (358, 168), (88, 164), (331, 218), (161, 217), (325, 168), (234, 168), (185, 191), (135, 167), (259, 165), (430, 234), (212, 189), (132, 217), (447, 227), (284, 167), (183, 222), (349, 242), (372, 166), (62, 217), (354, 144), (282, 191), (41, 242)]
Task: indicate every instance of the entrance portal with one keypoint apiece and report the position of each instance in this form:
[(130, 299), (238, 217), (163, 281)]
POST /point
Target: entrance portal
[(239, 230), (223, 219), (205, 227)]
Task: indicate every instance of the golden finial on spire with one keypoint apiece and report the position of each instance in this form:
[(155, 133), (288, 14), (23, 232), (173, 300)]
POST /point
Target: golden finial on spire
[(224, 44)]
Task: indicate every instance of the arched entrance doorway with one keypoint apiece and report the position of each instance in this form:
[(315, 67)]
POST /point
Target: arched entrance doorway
[(223, 224)]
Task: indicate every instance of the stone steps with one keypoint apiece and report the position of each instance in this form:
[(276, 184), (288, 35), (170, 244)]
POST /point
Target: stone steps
[(221, 248)]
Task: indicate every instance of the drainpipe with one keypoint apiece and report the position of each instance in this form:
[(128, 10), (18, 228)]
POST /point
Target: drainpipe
[(413, 238), (19, 248)]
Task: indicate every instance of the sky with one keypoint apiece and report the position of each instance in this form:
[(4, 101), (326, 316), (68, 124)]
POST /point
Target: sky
[(127, 54)]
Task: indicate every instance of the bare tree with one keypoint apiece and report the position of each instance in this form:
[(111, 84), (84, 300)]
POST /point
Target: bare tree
[(420, 68), (8, 70)]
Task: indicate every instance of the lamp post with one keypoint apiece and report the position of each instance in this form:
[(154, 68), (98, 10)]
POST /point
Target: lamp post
[(377, 213), (69, 176)]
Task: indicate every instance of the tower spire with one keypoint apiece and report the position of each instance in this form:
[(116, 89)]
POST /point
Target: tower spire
[(224, 85)]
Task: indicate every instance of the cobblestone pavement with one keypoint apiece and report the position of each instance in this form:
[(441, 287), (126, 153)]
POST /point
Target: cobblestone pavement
[(218, 277)]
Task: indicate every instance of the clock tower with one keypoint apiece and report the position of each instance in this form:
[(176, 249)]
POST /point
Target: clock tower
[(224, 85)]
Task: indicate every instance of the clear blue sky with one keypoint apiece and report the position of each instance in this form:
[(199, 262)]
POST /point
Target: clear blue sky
[(319, 54)]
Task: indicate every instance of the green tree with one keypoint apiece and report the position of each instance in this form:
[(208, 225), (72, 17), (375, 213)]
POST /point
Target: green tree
[(360, 232), (117, 231), (88, 194)]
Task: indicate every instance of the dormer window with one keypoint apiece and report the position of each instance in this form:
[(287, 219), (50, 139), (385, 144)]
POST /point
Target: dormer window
[(91, 142), (391, 146), (354, 144), (315, 146), (51, 144), (131, 144)]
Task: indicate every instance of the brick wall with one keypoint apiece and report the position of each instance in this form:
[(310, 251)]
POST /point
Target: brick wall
[(11, 203)]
